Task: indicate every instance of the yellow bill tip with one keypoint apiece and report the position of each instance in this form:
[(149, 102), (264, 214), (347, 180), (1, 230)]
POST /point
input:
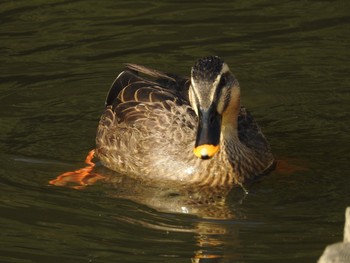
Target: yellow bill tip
[(205, 151)]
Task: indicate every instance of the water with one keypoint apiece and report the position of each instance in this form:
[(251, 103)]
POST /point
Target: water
[(58, 60)]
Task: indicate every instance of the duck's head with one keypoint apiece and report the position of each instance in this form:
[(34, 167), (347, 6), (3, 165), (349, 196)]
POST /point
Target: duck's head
[(214, 95)]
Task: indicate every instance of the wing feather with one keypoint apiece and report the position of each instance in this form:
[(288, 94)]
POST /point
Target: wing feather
[(249, 132), (130, 90)]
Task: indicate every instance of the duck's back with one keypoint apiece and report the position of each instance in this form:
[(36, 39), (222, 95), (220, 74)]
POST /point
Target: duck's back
[(147, 126)]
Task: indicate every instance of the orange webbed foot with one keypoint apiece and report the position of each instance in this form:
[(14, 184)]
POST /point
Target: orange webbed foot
[(80, 178), (290, 166)]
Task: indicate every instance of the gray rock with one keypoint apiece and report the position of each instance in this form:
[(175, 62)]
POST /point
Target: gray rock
[(339, 252), (347, 226), (336, 253)]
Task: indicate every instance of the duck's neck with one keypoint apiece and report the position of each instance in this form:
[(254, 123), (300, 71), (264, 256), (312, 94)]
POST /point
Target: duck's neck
[(229, 137), (244, 161), (229, 123)]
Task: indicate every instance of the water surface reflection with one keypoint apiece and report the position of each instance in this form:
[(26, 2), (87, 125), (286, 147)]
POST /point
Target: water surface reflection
[(211, 217)]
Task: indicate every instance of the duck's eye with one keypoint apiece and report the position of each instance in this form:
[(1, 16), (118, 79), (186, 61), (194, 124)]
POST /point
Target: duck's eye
[(223, 81)]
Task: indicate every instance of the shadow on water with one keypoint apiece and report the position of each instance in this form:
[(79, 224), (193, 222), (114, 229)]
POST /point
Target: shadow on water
[(213, 220), (211, 216), (131, 220)]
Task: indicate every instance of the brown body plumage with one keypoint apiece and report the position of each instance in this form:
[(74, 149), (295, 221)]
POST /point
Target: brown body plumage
[(153, 121)]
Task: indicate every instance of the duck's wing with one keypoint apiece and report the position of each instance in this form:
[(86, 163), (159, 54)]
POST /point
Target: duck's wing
[(249, 132), (138, 84)]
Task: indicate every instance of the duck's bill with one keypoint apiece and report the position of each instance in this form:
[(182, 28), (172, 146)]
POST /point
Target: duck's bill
[(208, 134), (205, 151)]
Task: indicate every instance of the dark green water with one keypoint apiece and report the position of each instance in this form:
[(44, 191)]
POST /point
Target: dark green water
[(58, 59)]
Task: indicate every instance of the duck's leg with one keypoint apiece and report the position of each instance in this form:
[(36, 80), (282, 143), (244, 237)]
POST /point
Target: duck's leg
[(288, 166), (81, 177)]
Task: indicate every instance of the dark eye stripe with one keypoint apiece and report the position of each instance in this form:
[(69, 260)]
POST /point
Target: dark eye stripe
[(222, 87), (223, 81), (224, 99)]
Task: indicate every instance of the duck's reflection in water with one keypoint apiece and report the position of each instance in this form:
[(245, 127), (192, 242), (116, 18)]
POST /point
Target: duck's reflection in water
[(211, 225)]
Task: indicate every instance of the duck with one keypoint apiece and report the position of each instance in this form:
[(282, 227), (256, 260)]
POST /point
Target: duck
[(187, 131)]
